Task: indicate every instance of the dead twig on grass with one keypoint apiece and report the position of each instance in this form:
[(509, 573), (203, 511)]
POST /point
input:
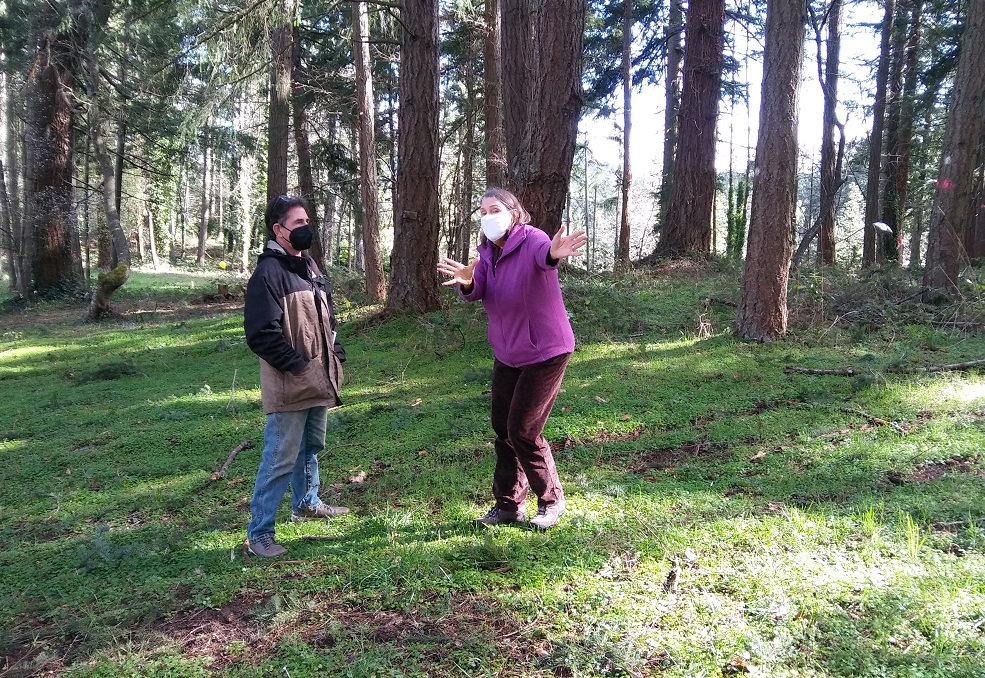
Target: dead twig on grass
[(836, 371), (952, 367), (859, 412), (852, 371), (221, 473)]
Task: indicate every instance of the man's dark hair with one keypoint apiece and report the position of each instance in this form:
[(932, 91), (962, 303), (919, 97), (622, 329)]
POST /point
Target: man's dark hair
[(277, 209)]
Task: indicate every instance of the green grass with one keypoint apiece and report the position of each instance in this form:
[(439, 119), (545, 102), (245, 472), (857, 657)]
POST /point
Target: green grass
[(816, 525)]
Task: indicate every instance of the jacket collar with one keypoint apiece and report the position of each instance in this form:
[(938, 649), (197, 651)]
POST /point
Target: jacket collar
[(302, 265), (516, 237)]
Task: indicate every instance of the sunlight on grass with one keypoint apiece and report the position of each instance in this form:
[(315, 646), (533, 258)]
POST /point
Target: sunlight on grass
[(951, 391), (35, 352), (720, 509)]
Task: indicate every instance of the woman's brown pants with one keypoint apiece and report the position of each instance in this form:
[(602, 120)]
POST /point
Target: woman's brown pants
[(522, 398)]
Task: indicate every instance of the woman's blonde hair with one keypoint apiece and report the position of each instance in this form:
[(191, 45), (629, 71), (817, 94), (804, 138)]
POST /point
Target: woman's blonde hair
[(511, 202)]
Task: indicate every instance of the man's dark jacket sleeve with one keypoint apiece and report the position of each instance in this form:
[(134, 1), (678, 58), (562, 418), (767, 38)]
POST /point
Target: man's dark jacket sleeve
[(262, 315)]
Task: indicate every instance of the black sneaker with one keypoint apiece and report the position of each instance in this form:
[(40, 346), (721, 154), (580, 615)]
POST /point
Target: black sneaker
[(547, 516), (498, 516), (266, 547)]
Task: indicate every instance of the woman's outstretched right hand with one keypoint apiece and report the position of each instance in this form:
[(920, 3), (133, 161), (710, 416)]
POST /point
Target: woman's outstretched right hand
[(460, 274)]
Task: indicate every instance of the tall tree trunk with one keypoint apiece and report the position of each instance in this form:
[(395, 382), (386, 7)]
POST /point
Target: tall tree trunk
[(975, 234), (5, 229), (892, 204), (672, 105), (205, 215), (12, 140), (300, 102), (911, 77), (107, 282), (247, 117), (550, 77), (869, 241), (368, 184), (692, 193), (49, 162), (282, 58), (121, 149), (467, 184), (182, 211), (762, 314), (590, 245), (519, 72), (622, 259), (414, 276), (151, 228), (331, 202), (919, 199), (831, 160), (951, 213), (497, 171), (121, 246), (139, 233)]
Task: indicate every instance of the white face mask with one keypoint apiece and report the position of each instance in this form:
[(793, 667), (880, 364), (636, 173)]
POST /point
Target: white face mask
[(496, 224)]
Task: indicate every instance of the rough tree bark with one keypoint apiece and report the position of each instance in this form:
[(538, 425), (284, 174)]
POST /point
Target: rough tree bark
[(692, 192), (951, 214), (282, 60), (672, 105), (368, 186), (54, 266), (892, 204), (831, 160), (762, 314), (542, 89), (414, 274), (518, 75), (870, 253), (496, 167), (12, 135), (911, 78)]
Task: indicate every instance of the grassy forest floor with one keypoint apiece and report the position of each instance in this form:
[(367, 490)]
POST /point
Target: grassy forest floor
[(726, 516)]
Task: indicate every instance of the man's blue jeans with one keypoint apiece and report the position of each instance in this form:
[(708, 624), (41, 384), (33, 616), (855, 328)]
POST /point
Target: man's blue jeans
[(291, 443)]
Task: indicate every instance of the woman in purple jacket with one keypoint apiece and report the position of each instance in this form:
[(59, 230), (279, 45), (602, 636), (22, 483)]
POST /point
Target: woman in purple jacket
[(515, 276)]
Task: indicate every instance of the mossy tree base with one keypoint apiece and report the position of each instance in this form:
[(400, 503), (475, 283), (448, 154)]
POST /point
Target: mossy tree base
[(106, 285)]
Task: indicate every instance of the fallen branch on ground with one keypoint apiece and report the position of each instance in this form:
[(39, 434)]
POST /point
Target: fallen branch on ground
[(221, 473), (837, 371), (852, 371)]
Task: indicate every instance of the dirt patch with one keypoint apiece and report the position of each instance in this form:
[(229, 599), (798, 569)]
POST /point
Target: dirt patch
[(602, 438), (668, 458), (931, 471)]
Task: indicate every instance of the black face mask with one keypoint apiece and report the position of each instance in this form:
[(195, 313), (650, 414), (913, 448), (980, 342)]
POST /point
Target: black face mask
[(301, 237)]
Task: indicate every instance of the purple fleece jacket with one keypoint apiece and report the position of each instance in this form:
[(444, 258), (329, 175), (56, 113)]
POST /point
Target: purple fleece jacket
[(521, 295)]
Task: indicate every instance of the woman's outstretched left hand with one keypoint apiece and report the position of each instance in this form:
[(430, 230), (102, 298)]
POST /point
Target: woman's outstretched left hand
[(567, 245)]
